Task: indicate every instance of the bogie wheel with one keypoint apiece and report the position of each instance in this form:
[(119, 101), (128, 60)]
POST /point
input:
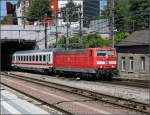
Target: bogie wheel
[(98, 75)]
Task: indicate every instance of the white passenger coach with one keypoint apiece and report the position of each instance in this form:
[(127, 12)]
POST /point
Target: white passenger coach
[(34, 59)]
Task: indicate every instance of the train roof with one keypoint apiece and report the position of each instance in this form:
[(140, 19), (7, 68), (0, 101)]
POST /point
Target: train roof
[(37, 51)]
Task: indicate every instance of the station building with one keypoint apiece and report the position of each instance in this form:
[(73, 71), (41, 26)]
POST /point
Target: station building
[(134, 55)]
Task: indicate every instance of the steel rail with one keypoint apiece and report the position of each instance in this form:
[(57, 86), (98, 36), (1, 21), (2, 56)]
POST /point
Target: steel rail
[(38, 99), (121, 102), (132, 83)]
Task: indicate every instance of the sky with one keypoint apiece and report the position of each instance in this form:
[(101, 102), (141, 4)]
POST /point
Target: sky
[(3, 6)]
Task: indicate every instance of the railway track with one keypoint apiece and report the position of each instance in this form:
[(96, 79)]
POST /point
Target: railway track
[(115, 81), (128, 104), (129, 82)]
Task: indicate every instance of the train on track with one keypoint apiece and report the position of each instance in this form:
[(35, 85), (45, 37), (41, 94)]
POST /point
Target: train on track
[(98, 62)]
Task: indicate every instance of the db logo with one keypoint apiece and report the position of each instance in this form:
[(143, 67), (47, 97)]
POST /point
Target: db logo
[(106, 62)]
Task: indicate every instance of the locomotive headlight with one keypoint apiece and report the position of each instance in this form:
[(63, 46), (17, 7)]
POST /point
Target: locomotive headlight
[(112, 66), (100, 66)]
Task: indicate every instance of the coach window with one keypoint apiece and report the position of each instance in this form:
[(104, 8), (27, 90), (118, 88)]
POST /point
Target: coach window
[(123, 62), (44, 58), (40, 58), (12, 58), (19, 58), (33, 57), (27, 58), (142, 63), (131, 64), (36, 57), (30, 58), (49, 57), (24, 58)]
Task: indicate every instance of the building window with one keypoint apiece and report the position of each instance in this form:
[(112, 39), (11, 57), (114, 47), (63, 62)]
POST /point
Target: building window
[(142, 63), (123, 62), (131, 63)]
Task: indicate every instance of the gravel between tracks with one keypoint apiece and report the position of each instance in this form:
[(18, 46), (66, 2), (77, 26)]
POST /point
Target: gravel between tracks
[(132, 93)]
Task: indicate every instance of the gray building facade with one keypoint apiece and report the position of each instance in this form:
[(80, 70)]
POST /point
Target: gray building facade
[(134, 56), (91, 10)]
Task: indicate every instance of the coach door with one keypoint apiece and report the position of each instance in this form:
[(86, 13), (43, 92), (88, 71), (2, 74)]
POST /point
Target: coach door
[(48, 58)]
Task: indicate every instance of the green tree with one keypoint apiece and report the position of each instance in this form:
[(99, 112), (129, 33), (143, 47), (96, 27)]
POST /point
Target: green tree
[(130, 15), (70, 12), (121, 13), (38, 9), (3, 21), (120, 36), (140, 12)]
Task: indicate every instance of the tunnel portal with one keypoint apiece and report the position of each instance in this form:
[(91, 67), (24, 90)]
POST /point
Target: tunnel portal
[(9, 46)]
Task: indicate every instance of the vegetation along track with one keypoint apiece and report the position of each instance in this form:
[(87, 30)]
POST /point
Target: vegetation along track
[(129, 104)]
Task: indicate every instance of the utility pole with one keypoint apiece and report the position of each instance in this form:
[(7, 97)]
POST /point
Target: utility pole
[(24, 12), (80, 22), (45, 30), (111, 20), (67, 37), (56, 29), (149, 54)]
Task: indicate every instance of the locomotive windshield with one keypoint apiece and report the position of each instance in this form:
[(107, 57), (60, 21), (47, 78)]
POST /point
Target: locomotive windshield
[(105, 53)]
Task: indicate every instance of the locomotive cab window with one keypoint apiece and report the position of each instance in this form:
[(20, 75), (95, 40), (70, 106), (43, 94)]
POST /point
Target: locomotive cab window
[(105, 53)]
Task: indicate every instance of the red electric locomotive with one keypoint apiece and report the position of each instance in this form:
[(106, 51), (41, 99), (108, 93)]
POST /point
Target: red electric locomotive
[(99, 61)]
